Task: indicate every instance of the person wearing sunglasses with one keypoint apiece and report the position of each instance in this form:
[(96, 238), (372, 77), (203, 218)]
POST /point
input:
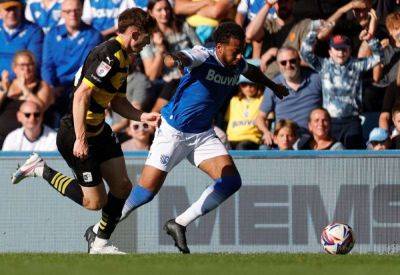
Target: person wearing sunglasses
[(140, 134), (304, 87), (33, 135), (86, 142)]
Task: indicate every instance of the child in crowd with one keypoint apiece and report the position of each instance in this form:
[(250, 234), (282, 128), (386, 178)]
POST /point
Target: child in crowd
[(341, 81), (242, 133), (285, 134), (378, 140)]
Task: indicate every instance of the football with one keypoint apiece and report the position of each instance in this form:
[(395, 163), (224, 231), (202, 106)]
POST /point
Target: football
[(337, 238)]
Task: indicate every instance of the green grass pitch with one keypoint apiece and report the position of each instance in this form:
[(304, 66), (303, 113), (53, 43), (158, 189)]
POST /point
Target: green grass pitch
[(204, 264)]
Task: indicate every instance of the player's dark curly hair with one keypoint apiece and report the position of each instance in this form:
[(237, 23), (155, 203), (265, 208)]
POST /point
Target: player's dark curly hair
[(138, 18), (227, 30)]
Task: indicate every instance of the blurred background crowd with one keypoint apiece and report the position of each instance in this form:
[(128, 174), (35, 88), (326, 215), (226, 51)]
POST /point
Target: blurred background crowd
[(339, 60)]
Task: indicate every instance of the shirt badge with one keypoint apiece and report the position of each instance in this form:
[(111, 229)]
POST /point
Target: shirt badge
[(103, 69)]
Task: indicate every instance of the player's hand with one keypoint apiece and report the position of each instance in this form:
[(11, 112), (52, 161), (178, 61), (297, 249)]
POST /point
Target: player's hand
[(280, 91), (268, 138), (153, 119), (81, 148)]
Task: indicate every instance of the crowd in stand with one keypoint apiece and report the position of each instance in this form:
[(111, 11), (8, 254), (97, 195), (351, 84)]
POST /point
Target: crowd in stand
[(339, 60)]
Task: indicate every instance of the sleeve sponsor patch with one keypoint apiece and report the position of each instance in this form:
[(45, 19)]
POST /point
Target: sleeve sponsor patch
[(103, 69)]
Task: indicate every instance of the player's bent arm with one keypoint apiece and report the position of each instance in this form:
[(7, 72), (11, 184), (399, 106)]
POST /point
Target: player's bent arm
[(124, 108), (254, 74), (80, 106), (178, 59)]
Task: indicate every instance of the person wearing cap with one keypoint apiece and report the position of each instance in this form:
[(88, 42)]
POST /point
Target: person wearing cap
[(17, 34), (341, 81), (378, 140), (304, 87), (242, 111)]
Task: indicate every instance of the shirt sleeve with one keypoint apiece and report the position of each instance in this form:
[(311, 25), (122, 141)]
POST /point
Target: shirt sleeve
[(365, 64), (102, 66), (307, 51), (267, 104), (197, 55)]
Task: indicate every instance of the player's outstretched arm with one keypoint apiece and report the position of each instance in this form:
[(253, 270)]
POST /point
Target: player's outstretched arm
[(123, 107), (254, 74)]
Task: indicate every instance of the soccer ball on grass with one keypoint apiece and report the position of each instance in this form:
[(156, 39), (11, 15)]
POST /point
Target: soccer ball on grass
[(337, 238)]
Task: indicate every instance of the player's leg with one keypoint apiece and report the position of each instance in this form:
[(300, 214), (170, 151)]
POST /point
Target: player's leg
[(114, 173), (166, 151), (212, 158), (87, 171)]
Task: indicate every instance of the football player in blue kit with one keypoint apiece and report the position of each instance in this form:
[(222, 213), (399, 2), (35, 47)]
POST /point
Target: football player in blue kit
[(210, 76)]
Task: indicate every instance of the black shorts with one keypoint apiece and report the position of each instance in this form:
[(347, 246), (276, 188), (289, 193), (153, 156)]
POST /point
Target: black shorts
[(102, 147)]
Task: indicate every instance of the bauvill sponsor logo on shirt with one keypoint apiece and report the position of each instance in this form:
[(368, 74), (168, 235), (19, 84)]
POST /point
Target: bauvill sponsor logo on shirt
[(220, 79)]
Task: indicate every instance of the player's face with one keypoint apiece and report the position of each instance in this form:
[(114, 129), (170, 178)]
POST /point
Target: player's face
[(319, 124), (289, 64), (139, 39), (71, 12), (161, 12), (231, 53), (11, 17), (285, 139), (339, 56), (24, 67)]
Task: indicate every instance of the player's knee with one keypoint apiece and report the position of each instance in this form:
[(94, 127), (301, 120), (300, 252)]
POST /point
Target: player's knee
[(94, 204), (228, 185)]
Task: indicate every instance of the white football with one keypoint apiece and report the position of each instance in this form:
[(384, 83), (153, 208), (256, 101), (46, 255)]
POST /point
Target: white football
[(337, 238)]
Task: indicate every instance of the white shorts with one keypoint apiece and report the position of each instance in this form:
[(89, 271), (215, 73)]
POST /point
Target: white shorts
[(171, 146)]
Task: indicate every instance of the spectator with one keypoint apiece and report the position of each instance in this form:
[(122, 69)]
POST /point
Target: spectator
[(205, 19), (16, 35), (245, 13), (304, 95), (140, 136), (341, 82), (102, 15), (282, 31), (378, 140), (26, 86), (241, 114), (285, 134), (390, 100), (319, 125), (65, 49), (395, 136), (33, 135), (44, 13), (173, 36)]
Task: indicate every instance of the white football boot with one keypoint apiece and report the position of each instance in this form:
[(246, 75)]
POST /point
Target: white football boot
[(33, 167), (103, 247)]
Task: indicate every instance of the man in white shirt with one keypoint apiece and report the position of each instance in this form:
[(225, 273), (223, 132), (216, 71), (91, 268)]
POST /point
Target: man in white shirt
[(33, 135)]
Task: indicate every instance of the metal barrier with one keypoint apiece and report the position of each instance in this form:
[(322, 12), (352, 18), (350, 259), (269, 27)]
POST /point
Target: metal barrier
[(285, 201)]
